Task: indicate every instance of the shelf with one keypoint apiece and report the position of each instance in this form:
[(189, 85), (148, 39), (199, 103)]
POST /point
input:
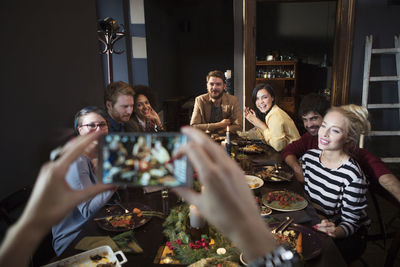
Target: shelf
[(275, 79), (275, 63)]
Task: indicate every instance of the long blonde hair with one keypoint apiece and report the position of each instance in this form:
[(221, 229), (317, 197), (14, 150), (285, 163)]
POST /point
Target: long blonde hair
[(357, 123)]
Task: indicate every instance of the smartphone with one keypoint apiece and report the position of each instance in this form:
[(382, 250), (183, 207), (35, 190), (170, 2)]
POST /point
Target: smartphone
[(143, 159)]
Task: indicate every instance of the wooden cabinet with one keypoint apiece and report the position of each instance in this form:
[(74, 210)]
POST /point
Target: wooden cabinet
[(282, 76)]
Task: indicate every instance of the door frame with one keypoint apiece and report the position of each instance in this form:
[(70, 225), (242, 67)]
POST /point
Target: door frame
[(245, 54)]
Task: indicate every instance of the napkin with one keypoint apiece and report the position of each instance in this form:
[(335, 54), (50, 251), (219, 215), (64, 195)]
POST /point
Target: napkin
[(127, 243), (91, 242)]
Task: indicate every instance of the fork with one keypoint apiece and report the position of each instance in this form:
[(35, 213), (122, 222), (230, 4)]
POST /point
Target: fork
[(122, 207), (280, 225), (283, 228)]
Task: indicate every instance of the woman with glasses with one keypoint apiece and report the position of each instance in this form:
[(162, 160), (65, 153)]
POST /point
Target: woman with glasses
[(82, 174)]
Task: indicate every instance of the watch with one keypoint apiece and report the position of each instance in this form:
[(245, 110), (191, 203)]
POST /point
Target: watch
[(280, 257)]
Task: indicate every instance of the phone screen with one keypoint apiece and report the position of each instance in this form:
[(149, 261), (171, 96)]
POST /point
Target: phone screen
[(143, 159)]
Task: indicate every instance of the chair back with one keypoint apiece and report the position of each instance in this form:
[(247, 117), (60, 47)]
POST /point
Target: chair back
[(12, 205)]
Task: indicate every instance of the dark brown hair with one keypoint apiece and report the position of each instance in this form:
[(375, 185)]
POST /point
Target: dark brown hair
[(217, 74)]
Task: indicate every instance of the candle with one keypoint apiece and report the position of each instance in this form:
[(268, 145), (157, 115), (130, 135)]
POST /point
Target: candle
[(221, 251), (228, 138), (196, 220)]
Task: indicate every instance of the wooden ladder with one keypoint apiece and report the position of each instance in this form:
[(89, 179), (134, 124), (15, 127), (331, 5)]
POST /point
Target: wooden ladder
[(367, 79)]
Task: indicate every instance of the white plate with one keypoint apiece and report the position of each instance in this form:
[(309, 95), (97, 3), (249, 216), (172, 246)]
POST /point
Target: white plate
[(83, 259), (254, 181)]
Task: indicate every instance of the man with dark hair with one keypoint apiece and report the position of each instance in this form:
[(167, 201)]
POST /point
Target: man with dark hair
[(216, 110), (312, 109), (118, 99)]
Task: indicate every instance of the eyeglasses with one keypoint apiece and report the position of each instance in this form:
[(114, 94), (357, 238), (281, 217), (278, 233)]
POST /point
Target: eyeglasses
[(94, 126)]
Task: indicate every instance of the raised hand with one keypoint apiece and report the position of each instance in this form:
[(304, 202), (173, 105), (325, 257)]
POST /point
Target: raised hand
[(51, 200), (226, 200)]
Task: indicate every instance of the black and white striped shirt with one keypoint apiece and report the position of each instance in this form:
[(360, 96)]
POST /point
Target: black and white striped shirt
[(337, 192)]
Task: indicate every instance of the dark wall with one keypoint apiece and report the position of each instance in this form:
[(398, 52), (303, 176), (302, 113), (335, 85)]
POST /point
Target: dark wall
[(185, 40), (305, 30), (50, 69), (381, 20)]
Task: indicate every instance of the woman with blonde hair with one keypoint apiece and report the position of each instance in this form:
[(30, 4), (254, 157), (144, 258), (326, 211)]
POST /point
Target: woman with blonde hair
[(334, 182)]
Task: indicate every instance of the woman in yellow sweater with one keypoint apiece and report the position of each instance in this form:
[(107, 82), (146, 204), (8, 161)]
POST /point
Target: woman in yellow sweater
[(269, 120)]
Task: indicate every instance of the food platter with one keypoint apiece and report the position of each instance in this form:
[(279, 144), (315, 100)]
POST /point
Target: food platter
[(218, 138), (310, 242), (242, 142), (103, 255), (270, 174), (113, 218), (251, 149), (284, 201)]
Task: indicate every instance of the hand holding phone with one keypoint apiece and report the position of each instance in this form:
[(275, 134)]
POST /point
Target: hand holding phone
[(143, 159)]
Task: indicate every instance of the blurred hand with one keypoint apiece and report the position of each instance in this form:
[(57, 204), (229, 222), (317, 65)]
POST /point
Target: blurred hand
[(226, 200), (52, 198), (327, 227), (153, 116)]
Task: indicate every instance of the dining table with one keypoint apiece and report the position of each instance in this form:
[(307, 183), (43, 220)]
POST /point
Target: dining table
[(150, 236)]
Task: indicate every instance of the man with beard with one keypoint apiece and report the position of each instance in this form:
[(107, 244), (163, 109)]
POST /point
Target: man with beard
[(118, 99), (312, 110), (216, 110)]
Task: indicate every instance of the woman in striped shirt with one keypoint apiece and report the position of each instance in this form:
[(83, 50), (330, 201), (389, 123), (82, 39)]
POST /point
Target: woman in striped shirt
[(334, 182)]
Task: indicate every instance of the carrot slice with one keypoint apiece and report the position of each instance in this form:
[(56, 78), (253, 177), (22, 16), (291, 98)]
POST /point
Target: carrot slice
[(299, 248)]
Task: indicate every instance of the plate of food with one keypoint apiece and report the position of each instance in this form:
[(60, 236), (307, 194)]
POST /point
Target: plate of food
[(284, 201), (253, 148), (271, 174), (254, 182), (114, 218), (101, 256), (218, 138), (301, 239)]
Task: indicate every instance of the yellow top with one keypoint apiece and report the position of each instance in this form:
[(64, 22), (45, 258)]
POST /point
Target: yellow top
[(281, 129)]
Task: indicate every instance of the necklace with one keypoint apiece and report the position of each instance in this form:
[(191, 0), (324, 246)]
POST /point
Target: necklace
[(333, 164)]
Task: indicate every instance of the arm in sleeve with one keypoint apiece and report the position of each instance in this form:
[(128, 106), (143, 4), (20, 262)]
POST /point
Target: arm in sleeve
[(237, 117), (78, 177), (196, 120), (372, 166), (296, 148), (354, 203), (376, 171), (275, 135)]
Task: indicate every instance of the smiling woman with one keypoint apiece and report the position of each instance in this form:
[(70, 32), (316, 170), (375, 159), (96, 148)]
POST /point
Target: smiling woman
[(271, 123), (81, 175), (334, 181), (144, 115)]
